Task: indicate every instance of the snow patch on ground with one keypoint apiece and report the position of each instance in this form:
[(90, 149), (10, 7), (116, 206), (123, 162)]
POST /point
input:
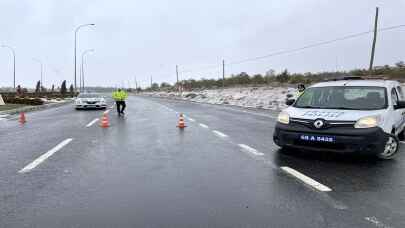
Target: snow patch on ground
[(272, 98), (53, 101)]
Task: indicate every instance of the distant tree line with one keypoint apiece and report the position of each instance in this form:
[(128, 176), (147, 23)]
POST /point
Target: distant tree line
[(63, 90), (396, 72)]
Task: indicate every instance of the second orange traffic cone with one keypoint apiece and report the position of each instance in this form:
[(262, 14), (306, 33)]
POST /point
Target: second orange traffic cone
[(22, 119), (181, 124), (104, 121)]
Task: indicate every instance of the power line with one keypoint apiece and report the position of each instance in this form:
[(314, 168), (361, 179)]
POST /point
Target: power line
[(288, 51)]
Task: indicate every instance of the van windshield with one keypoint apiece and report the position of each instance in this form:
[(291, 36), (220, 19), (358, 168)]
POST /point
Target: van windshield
[(343, 97)]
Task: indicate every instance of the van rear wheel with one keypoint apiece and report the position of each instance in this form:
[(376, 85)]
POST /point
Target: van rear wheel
[(391, 148)]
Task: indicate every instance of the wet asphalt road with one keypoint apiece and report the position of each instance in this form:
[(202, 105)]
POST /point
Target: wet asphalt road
[(143, 172)]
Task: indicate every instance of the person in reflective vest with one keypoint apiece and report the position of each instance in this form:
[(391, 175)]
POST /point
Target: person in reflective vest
[(301, 90), (119, 96)]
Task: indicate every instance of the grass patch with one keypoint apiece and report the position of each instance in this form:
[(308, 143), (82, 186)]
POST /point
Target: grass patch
[(10, 106)]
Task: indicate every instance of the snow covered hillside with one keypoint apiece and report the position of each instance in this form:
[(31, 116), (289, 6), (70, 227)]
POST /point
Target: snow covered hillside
[(251, 97)]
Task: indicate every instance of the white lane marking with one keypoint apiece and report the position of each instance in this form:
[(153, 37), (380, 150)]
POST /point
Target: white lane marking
[(45, 156), (377, 223), (112, 106), (250, 150), (203, 125), (220, 134), (307, 180), (191, 119), (92, 122), (107, 111)]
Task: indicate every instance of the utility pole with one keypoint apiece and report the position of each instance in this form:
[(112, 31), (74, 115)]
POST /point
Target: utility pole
[(136, 84), (370, 69), (223, 74), (151, 81), (177, 75)]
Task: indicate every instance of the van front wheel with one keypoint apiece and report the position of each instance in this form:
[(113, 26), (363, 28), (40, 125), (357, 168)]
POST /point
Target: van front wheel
[(391, 148)]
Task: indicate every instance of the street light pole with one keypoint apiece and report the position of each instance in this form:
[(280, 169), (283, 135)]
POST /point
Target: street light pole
[(82, 68), (42, 72), (76, 31), (177, 78), (223, 74), (12, 51)]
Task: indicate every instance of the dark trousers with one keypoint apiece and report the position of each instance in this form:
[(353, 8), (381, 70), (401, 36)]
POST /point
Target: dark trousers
[(120, 106)]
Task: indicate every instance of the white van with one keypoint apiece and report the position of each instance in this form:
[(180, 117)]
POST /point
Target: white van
[(347, 116)]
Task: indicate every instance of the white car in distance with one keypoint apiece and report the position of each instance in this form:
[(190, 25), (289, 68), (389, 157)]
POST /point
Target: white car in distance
[(90, 101)]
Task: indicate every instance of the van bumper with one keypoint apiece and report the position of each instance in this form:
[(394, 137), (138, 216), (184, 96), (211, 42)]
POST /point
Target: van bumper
[(347, 140)]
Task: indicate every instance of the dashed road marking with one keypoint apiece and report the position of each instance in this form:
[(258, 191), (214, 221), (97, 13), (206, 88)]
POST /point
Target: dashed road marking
[(191, 119), (45, 156), (220, 134), (203, 125), (107, 111), (92, 122), (305, 179), (376, 222), (112, 106), (250, 150)]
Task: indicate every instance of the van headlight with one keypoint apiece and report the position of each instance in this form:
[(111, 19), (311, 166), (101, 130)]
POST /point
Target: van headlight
[(283, 118), (368, 122)]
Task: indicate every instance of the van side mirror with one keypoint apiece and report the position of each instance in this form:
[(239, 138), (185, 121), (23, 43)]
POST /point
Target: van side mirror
[(289, 102), (400, 105)]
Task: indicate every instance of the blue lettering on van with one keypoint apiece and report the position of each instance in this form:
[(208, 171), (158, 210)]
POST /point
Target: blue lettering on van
[(323, 114)]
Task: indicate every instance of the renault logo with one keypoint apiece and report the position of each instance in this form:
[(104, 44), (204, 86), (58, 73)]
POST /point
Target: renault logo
[(319, 123)]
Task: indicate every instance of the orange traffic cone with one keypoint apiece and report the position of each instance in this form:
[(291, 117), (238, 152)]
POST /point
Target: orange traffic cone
[(181, 124), (22, 119), (104, 121)]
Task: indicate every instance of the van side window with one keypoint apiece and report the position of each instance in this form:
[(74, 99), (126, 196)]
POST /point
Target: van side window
[(400, 93), (394, 97)]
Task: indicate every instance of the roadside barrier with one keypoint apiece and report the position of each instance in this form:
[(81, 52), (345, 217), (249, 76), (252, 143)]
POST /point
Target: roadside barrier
[(104, 121), (22, 118), (181, 124)]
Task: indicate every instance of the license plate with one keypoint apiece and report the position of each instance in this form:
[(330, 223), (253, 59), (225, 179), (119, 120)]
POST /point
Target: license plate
[(318, 138)]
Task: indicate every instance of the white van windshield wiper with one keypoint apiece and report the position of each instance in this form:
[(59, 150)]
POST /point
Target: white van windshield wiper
[(343, 108), (308, 106)]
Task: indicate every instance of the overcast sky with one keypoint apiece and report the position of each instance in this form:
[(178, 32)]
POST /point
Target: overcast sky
[(143, 38)]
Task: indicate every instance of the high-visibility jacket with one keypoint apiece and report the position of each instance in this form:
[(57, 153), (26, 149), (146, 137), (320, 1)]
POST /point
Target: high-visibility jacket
[(120, 95), (299, 93)]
